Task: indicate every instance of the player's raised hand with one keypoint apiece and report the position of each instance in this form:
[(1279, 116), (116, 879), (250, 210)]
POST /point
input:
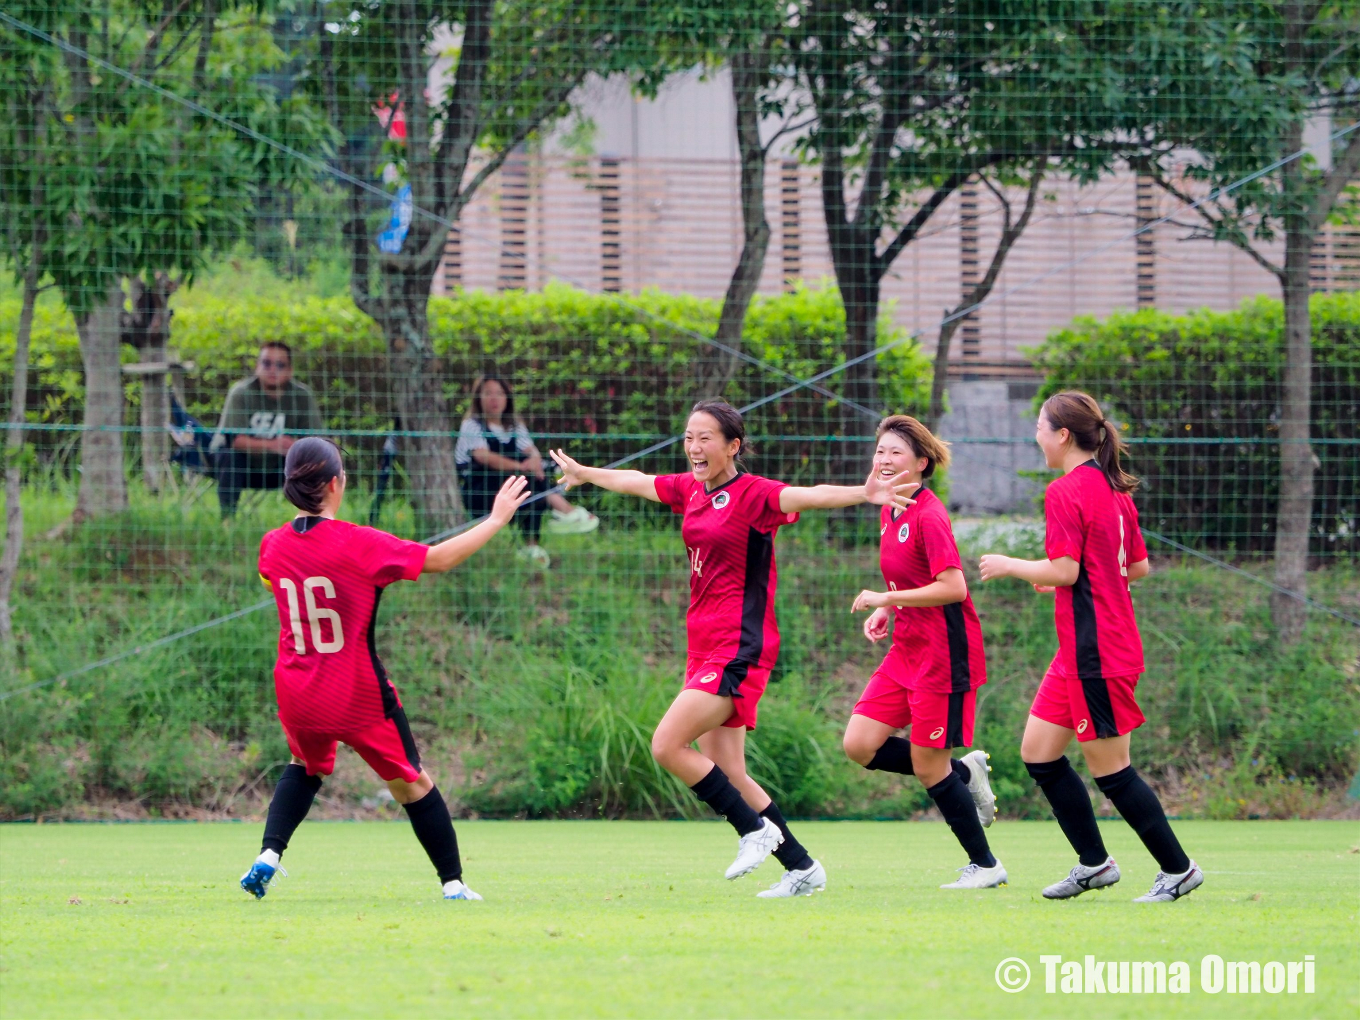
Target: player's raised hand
[(895, 491), (869, 600), (513, 493), (571, 470), (876, 624), (994, 566)]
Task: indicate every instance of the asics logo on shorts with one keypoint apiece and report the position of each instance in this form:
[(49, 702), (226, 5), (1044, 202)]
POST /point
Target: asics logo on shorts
[(708, 678), (1081, 726), (937, 733), (903, 532), (721, 500)]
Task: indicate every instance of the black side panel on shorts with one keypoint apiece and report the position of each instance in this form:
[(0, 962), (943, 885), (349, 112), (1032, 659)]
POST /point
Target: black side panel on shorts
[(408, 742), (389, 696), (1084, 626), (755, 597), (1097, 694), (733, 675), (953, 736), (956, 628)]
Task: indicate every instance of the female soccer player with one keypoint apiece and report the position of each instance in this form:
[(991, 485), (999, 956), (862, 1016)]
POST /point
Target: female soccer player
[(730, 520), (930, 676), (327, 577), (1094, 550)]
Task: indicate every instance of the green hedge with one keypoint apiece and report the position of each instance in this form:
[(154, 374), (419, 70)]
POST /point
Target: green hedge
[(583, 365), (1200, 394)]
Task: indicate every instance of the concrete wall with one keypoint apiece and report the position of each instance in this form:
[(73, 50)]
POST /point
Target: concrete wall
[(991, 426)]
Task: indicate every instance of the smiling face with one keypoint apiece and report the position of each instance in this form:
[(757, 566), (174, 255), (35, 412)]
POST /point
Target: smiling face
[(1054, 442), (711, 455), (894, 455)]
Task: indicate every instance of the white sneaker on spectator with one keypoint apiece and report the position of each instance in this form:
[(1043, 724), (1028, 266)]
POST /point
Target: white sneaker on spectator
[(536, 555), (577, 521)]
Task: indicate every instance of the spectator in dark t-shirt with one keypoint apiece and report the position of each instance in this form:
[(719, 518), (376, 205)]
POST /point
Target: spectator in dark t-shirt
[(261, 419)]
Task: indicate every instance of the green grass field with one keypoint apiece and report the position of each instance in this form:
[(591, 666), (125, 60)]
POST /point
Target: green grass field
[(635, 919)]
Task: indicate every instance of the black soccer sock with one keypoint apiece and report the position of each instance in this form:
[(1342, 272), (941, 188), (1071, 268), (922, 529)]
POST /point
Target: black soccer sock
[(951, 796), (1139, 806), (791, 853), (893, 756), (288, 807), (1071, 805), (717, 791), (434, 828)]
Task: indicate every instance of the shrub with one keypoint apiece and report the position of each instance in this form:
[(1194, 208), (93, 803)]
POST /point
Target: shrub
[(1200, 394)]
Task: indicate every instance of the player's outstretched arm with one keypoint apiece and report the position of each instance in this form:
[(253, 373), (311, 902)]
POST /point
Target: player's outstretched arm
[(451, 552), (630, 483), (1059, 573), (881, 491), (945, 590)]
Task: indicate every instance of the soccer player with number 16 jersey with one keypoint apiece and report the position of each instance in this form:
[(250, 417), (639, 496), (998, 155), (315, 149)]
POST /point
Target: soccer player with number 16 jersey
[(327, 577), (1094, 550)]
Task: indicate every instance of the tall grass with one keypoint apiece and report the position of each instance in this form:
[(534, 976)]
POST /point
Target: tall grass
[(537, 693)]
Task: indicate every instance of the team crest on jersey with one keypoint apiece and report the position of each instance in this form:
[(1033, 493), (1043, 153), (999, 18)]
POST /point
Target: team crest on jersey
[(721, 499), (937, 734), (1081, 726), (708, 678), (903, 532)]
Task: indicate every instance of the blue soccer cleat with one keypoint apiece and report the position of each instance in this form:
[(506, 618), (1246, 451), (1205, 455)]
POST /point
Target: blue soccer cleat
[(256, 880)]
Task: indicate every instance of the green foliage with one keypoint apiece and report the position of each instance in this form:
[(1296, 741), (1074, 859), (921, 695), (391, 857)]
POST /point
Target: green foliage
[(582, 365), (1200, 395), (536, 694)]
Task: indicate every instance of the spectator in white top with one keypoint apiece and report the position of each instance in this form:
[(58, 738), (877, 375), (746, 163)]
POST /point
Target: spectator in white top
[(493, 443)]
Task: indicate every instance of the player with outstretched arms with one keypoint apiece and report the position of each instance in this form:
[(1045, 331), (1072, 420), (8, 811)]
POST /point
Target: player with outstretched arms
[(327, 577), (930, 676), (730, 521), (1094, 550)]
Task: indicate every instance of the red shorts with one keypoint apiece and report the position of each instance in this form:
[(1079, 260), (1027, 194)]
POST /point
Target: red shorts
[(1095, 708), (387, 746), (742, 683), (936, 718)]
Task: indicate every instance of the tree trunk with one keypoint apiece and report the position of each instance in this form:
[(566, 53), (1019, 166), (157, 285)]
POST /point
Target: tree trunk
[(861, 298), (155, 418), (14, 443), (103, 487), (718, 371), (1293, 522), (940, 377), (418, 390)]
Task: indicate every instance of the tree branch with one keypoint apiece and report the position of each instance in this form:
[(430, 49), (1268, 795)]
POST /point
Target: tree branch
[(1223, 228), (1343, 172)]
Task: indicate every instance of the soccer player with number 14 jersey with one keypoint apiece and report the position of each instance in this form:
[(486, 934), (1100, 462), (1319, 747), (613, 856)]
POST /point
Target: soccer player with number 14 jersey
[(327, 577), (1094, 550)]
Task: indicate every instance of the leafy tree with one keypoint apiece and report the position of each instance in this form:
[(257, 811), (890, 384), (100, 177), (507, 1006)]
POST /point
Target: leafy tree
[(132, 181), (503, 69), (1249, 77)]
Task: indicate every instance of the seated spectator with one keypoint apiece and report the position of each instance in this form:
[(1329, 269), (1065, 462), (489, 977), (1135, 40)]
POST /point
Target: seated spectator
[(260, 421), (493, 442)]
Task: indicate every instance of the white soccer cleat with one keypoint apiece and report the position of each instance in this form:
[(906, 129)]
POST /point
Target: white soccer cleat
[(797, 883), (1081, 879), (979, 785), (578, 521), (536, 555), (975, 876), (456, 890), (753, 848), (1173, 887)]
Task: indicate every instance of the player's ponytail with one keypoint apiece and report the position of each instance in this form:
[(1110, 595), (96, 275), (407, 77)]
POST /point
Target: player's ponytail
[(1091, 430), (729, 422), (308, 469)]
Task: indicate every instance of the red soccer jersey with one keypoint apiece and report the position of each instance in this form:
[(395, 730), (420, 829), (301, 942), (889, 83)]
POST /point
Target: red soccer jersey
[(942, 645), (1098, 527), (327, 577), (729, 535)]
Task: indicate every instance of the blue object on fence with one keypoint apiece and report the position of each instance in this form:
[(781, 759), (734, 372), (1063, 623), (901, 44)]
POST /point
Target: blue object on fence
[(192, 440), (390, 240)]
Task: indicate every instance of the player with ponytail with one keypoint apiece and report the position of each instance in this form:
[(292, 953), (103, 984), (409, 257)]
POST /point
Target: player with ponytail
[(1094, 550), (327, 577)]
